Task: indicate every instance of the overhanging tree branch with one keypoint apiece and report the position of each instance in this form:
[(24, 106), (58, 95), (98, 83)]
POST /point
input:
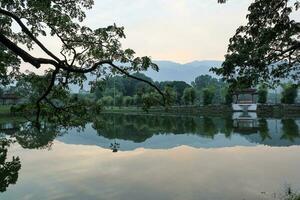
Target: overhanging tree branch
[(140, 79), (27, 31), (46, 93), (36, 62)]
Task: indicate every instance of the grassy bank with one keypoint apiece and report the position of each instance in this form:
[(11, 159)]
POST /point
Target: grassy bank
[(212, 110), (5, 109)]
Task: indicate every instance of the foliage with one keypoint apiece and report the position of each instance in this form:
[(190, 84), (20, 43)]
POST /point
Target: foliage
[(177, 86), (290, 129), (82, 49), (127, 101), (171, 89), (289, 93), (107, 101), (170, 95), (267, 48), (262, 94), (97, 107), (150, 99), (228, 96), (204, 81), (208, 95), (119, 100), (189, 96)]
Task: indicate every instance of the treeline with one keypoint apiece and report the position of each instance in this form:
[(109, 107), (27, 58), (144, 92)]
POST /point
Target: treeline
[(204, 90), (124, 91)]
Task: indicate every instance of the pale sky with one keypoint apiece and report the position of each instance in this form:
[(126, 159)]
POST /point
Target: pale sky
[(177, 30)]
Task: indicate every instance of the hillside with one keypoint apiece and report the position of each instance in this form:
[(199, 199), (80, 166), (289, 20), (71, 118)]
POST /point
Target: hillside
[(170, 71)]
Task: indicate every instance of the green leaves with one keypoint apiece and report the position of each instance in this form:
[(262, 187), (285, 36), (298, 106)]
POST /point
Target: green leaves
[(267, 48), (289, 93), (83, 50)]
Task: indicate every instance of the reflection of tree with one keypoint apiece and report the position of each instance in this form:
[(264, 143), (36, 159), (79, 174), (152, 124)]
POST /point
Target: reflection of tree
[(32, 137), (228, 127), (290, 129), (139, 128), (209, 127), (9, 170), (263, 129)]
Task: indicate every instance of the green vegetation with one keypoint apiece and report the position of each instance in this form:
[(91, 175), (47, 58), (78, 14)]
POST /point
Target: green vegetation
[(82, 50), (266, 49), (208, 95), (268, 39), (262, 94), (289, 93), (189, 96), (4, 109), (123, 91)]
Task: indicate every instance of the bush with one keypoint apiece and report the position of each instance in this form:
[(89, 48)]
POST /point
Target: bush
[(208, 96), (189, 96), (262, 95), (228, 96), (150, 99), (289, 93), (127, 101), (107, 101)]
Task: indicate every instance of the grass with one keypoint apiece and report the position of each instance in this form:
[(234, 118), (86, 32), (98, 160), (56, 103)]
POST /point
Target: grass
[(5, 109)]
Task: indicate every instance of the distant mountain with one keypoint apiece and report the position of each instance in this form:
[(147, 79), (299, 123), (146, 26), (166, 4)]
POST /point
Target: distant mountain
[(171, 71)]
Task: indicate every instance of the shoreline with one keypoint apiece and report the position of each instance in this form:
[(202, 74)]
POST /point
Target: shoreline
[(276, 111)]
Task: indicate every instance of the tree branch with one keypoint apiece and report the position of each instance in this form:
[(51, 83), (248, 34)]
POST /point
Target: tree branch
[(139, 79), (24, 55), (47, 92), (27, 31)]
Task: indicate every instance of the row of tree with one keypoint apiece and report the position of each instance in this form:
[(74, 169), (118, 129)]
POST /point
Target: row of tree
[(204, 90)]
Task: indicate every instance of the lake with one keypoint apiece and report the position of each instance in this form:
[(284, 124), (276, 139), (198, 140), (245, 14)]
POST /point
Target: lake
[(133, 157)]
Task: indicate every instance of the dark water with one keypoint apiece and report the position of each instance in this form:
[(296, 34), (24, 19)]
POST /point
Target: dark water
[(151, 157)]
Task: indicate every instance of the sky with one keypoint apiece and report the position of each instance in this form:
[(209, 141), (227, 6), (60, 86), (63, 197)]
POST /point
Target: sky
[(176, 30)]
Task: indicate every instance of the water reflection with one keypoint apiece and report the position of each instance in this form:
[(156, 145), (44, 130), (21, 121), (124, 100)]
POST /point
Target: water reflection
[(139, 129), (151, 130), (81, 151), (9, 170)]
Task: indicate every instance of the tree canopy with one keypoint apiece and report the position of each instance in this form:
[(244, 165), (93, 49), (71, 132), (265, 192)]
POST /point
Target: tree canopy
[(267, 48), (83, 50)]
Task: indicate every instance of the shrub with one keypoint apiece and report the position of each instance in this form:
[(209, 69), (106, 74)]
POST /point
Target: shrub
[(208, 96), (289, 93), (262, 95)]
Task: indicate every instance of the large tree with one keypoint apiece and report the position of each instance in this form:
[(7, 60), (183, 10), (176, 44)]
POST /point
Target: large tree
[(267, 48), (83, 50)]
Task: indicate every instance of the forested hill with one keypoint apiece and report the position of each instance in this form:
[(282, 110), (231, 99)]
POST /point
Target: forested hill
[(172, 71)]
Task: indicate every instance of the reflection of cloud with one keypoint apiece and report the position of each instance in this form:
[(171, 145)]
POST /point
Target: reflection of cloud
[(81, 172)]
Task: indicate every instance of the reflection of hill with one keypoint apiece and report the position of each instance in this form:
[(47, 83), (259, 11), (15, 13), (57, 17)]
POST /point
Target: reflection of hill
[(156, 141), (280, 133), (134, 131)]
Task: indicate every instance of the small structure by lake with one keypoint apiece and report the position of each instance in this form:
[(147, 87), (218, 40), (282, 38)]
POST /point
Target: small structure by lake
[(244, 107), (245, 100)]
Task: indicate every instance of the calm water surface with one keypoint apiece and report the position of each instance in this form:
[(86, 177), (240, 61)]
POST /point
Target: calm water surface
[(149, 157)]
